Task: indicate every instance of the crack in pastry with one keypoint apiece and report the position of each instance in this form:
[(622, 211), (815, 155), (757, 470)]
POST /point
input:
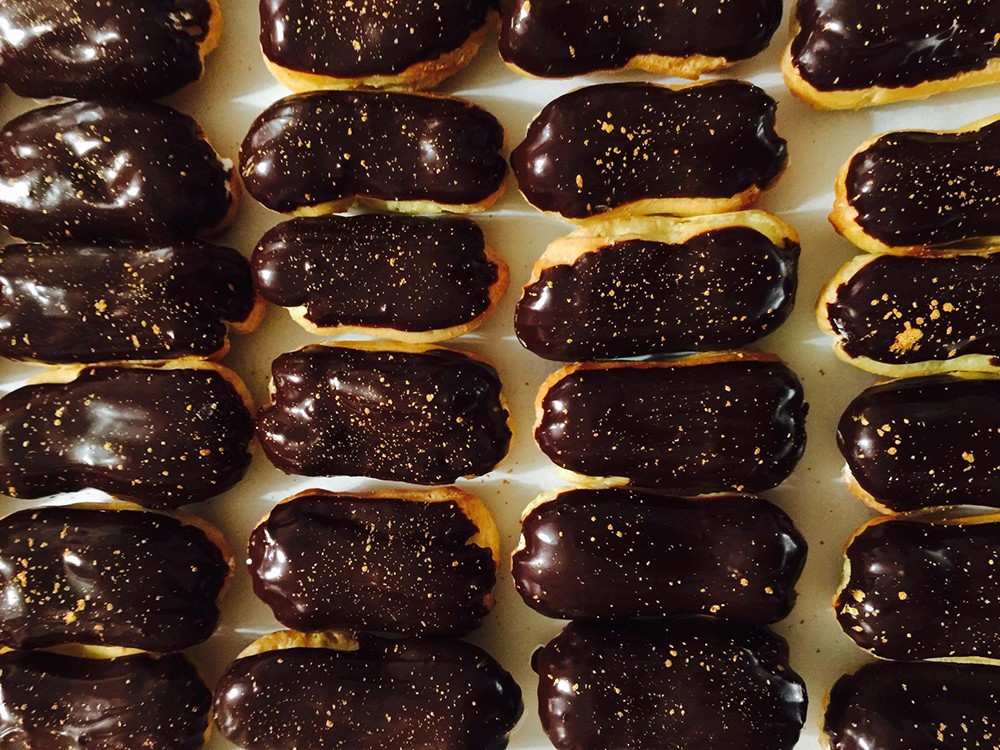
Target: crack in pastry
[(84, 49), (111, 170)]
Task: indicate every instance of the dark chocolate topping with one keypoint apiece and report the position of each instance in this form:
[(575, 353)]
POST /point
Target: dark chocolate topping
[(925, 442), (81, 49), (356, 39), (691, 429), (719, 290), (57, 702), (857, 44), (914, 188), (325, 561), (327, 146), (560, 38), (923, 591), (418, 694), (894, 706), (620, 553), (109, 170), (692, 682), (602, 147), (377, 270), (99, 303), (108, 577), (424, 418), (900, 310), (161, 437)]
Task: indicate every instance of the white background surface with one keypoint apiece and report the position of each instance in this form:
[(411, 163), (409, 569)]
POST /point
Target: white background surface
[(237, 88)]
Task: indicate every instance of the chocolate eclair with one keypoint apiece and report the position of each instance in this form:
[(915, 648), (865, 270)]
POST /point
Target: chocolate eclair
[(561, 38), (926, 442), (407, 413), (617, 553), (695, 425), (905, 315), (656, 285), (326, 690), (408, 44), (911, 190), (110, 575), (405, 278), (51, 700), (80, 302), (846, 54), (161, 436), (914, 706), (623, 149), (417, 562), (695, 682), (111, 170), (923, 589), (322, 152), (82, 49)]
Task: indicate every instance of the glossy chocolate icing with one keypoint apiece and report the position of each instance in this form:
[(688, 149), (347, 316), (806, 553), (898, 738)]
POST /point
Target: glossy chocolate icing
[(377, 270), (925, 442), (160, 437), (902, 310), (419, 694), (722, 289), (400, 565), (857, 44), (694, 429), (109, 577), (920, 188), (57, 702), (328, 146), (109, 170), (621, 554), (923, 591), (82, 49), (424, 418), (929, 706), (357, 39), (98, 303), (559, 38), (603, 147), (692, 682)]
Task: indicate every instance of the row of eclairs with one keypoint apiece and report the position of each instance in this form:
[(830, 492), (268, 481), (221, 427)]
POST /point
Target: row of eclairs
[(664, 419)]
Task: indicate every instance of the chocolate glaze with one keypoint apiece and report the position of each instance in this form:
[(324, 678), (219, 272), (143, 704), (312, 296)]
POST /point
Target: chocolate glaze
[(160, 437), (857, 44), (923, 591), (377, 270), (606, 554), (326, 146), (57, 702), (902, 309), (109, 170), (400, 565), (898, 706), (558, 38), (696, 429), (97, 303), (602, 147), (89, 48), (692, 682), (414, 693), (424, 418), (925, 442), (914, 188), (108, 577), (721, 289), (348, 40)]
